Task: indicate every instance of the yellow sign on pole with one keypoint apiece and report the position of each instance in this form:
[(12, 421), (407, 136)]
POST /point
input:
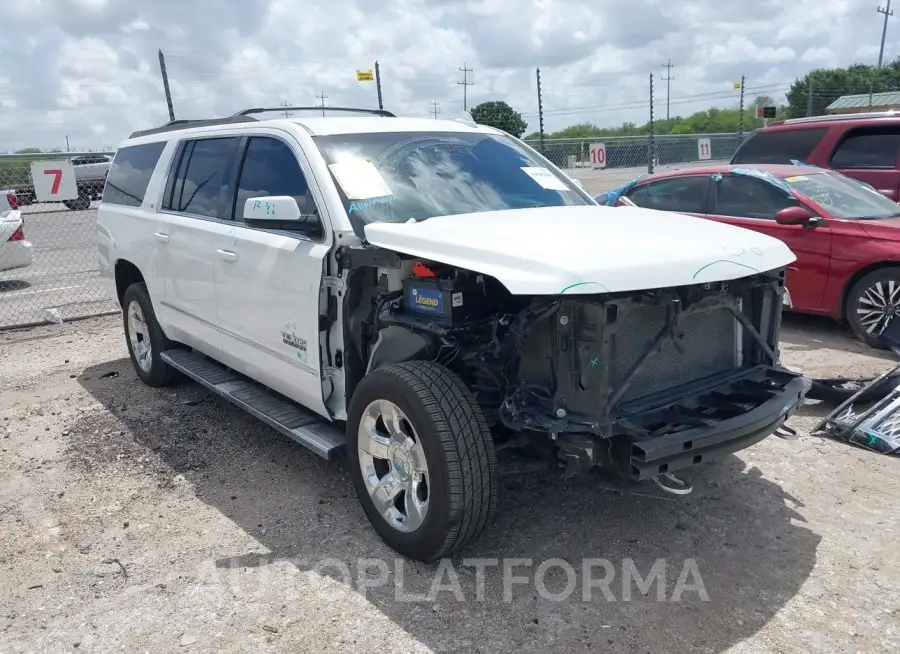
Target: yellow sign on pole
[(365, 75), (737, 85)]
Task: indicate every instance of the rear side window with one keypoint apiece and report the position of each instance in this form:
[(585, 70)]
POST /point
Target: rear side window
[(199, 176), (779, 147), (868, 147), (683, 194), (130, 174)]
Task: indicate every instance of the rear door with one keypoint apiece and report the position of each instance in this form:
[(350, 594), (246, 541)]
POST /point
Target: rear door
[(752, 203), (191, 218), (871, 155), (684, 194)]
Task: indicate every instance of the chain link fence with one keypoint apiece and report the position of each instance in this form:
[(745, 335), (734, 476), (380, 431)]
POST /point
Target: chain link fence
[(58, 278), (603, 163), (48, 250)]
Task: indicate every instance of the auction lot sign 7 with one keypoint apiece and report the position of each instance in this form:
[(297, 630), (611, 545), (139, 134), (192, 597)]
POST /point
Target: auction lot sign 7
[(54, 181)]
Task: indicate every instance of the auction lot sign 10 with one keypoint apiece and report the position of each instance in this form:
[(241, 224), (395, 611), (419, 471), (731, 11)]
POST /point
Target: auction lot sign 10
[(54, 181), (598, 155)]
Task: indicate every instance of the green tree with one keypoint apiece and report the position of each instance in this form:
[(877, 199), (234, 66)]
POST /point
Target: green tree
[(497, 113), (828, 84)]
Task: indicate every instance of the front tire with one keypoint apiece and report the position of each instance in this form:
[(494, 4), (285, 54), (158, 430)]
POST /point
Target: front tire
[(145, 338), (422, 459), (872, 303)]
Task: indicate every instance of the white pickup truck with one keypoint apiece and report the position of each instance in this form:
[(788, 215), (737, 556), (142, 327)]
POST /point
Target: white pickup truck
[(428, 298)]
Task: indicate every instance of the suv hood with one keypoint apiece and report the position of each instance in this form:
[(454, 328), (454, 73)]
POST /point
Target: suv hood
[(590, 249)]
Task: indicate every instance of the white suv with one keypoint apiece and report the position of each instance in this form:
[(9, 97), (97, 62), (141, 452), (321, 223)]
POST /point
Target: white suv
[(431, 298)]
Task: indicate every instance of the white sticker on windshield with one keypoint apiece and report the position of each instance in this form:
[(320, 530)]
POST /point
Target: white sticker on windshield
[(360, 179), (545, 178)]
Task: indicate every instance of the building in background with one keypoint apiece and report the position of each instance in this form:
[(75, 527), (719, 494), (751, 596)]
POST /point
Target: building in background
[(861, 103)]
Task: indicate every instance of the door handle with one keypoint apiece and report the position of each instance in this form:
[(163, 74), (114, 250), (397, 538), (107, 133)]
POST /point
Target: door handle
[(162, 238), (228, 255)]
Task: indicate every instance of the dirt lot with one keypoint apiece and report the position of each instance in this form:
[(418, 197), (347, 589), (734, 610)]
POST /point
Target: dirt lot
[(134, 519)]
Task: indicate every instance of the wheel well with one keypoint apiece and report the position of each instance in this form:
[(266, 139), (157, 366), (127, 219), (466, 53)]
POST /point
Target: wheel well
[(126, 275), (859, 274)]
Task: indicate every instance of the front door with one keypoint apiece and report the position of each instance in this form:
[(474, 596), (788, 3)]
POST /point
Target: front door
[(268, 281), (752, 203), (191, 214)]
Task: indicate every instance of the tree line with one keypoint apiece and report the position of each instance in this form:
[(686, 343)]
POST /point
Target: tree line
[(807, 96)]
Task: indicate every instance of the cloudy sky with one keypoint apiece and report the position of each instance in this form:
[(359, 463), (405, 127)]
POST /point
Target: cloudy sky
[(88, 69)]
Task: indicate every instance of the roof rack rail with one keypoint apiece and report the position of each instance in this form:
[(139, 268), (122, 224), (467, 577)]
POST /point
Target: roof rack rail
[(837, 117), (259, 110), (174, 125)]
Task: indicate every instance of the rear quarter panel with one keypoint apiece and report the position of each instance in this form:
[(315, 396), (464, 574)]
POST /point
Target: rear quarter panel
[(126, 233)]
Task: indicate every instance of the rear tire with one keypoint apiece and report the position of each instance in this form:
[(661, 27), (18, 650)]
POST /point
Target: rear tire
[(872, 303), (415, 425), (81, 203), (145, 338)]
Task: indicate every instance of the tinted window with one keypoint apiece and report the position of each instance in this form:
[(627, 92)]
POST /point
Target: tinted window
[(200, 175), (779, 147), (746, 197), (130, 174), (270, 168), (868, 148), (683, 194), (395, 176)]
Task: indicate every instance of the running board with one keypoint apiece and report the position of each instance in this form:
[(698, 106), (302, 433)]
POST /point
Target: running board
[(307, 428)]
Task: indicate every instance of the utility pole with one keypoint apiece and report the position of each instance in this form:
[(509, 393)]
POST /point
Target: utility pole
[(378, 85), (165, 78), (67, 143), (322, 98), (435, 110), (286, 104), (668, 79), (465, 84), (887, 14), (540, 110)]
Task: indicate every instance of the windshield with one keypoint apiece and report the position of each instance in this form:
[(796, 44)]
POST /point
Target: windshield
[(396, 176), (844, 197)]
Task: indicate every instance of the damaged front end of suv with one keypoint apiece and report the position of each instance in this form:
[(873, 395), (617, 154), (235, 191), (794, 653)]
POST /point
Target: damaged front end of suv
[(639, 384)]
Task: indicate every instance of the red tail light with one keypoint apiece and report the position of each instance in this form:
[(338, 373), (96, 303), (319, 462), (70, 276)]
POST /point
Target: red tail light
[(18, 235), (13, 201)]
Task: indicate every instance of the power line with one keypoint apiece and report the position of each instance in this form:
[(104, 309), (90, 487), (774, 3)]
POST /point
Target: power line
[(435, 108), (465, 84), (322, 97), (668, 79)]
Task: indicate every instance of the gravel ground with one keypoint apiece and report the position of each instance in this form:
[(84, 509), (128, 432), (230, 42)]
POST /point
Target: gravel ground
[(134, 519)]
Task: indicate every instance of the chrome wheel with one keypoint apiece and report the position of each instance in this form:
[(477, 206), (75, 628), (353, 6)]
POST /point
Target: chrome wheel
[(393, 465), (878, 305), (139, 336)]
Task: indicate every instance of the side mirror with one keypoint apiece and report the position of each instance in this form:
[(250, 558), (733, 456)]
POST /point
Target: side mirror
[(793, 216), (282, 208), (890, 194), (577, 182)]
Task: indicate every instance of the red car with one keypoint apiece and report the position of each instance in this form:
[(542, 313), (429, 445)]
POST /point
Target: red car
[(862, 146), (845, 234)]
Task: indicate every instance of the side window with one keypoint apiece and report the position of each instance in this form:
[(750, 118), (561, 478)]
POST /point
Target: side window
[(130, 172), (199, 176), (271, 168), (868, 147), (779, 146), (682, 194), (746, 197)]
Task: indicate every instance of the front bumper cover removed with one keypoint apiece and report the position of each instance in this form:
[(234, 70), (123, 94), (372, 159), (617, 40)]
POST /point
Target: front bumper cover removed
[(651, 456)]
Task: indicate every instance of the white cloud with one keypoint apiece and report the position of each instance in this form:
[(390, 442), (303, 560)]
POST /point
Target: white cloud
[(88, 68)]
